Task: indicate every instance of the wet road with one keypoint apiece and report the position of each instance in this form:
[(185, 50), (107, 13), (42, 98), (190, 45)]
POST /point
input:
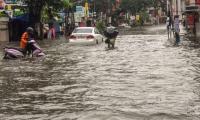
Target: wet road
[(144, 78)]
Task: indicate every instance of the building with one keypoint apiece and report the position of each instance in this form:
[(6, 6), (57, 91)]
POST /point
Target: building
[(192, 11), (189, 13), (176, 7)]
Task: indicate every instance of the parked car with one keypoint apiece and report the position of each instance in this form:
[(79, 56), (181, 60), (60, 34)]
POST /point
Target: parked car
[(86, 35)]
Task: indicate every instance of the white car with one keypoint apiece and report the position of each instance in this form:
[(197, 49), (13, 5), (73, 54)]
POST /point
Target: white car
[(86, 35)]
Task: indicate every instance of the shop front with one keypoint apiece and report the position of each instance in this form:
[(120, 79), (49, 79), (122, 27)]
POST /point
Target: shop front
[(192, 14), (192, 19)]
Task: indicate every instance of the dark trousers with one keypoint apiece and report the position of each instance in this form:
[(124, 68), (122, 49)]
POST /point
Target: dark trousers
[(177, 36)]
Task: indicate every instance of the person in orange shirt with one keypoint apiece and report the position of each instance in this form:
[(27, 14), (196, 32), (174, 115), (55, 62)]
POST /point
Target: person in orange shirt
[(26, 36)]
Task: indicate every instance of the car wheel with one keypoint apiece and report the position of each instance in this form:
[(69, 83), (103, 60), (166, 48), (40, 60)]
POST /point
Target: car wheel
[(102, 40), (97, 42)]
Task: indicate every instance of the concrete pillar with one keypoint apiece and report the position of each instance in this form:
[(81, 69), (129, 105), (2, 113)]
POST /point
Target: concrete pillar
[(4, 33)]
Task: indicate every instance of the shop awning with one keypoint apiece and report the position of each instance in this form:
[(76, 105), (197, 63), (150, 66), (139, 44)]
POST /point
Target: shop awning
[(24, 18), (195, 8)]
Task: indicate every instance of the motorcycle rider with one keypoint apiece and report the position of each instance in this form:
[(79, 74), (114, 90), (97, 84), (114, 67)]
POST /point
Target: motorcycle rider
[(111, 33), (25, 38), (27, 45)]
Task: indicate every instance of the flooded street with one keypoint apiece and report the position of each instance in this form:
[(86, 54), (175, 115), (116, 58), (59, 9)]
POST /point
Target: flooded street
[(144, 78)]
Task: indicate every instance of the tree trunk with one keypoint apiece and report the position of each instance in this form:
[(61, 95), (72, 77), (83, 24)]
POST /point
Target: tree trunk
[(35, 12), (66, 22)]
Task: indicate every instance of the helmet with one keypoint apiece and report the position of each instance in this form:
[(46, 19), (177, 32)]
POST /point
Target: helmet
[(29, 30)]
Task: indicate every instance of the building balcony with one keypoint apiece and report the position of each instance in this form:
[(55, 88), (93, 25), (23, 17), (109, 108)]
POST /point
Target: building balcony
[(192, 8)]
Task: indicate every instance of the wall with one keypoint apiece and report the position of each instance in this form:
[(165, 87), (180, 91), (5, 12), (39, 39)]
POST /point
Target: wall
[(4, 33)]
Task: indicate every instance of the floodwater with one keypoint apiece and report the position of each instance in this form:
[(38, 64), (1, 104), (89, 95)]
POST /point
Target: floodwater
[(144, 78)]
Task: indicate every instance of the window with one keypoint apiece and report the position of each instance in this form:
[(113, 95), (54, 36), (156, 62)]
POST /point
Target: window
[(86, 30)]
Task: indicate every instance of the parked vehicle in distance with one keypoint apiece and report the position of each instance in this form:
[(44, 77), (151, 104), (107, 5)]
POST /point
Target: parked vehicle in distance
[(86, 35), (124, 25)]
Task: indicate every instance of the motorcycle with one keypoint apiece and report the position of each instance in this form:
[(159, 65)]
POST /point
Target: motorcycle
[(111, 33), (32, 48)]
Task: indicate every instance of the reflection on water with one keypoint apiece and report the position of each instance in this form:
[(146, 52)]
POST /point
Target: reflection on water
[(143, 79)]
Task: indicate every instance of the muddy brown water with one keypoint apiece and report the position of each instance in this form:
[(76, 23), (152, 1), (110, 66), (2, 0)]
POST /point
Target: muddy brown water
[(144, 78)]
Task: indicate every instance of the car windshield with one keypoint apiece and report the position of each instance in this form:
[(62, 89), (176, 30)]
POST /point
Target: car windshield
[(86, 30)]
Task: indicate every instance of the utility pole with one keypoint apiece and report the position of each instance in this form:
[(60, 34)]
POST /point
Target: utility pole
[(170, 15), (176, 7), (167, 5), (94, 10), (109, 19)]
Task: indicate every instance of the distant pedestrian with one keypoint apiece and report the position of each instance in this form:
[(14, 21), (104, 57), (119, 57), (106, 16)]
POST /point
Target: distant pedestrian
[(89, 23), (168, 25), (176, 29), (51, 33)]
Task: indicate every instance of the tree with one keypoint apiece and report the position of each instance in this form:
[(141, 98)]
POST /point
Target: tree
[(69, 16), (103, 5), (36, 8), (141, 6), (135, 6)]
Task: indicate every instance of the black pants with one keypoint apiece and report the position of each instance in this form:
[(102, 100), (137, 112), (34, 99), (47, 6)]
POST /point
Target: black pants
[(177, 36)]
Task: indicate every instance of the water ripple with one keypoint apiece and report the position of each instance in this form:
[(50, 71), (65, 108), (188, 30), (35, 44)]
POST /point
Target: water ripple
[(142, 79)]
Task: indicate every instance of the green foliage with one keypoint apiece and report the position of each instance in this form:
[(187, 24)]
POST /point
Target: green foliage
[(67, 3), (100, 25), (38, 4), (45, 9), (3, 14), (144, 15), (102, 5), (18, 12), (45, 16), (135, 6)]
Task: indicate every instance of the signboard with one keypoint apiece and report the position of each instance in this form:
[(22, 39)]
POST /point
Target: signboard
[(79, 9), (11, 1), (192, 8), (86, 9), (9, 7)]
